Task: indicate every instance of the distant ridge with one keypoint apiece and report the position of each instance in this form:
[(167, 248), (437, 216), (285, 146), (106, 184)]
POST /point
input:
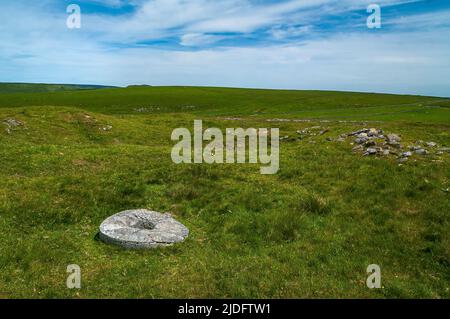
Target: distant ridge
[(41, 87)]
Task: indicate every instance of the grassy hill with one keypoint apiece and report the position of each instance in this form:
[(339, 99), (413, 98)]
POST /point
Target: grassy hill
[(236, 102), (73, 158), (35, 88)]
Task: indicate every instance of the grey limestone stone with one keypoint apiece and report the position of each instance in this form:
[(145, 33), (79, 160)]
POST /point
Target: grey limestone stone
[(141, 228)]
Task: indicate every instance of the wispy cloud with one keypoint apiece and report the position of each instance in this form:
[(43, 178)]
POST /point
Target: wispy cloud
[(320, 44), (158, 19)]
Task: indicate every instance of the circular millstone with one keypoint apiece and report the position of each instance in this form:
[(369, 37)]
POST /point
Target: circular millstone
[(142, 228)]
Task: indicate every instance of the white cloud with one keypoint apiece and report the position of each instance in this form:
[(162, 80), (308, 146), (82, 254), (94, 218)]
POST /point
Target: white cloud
[(37, 47), (162, 18), (421, 21), (197, 39), (387, 63), (290, 31)]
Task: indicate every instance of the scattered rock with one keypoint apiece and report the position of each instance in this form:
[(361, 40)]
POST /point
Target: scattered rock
[(374, 132), (141, 109), (393, 138), (361, 140), (394, 144), (421, 151), (147, 109), (370, 151), (364, 130), (406, 154), (374, 142), (188, 107), (106, 128), (231, 118), (12, 124)]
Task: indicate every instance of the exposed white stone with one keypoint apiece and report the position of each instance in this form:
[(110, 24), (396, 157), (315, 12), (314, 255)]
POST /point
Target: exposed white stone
[(393, 138), (142, 228)]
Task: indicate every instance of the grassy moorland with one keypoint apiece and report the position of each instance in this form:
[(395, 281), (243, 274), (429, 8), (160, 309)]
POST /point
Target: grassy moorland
[(311, 230), (43, 88)]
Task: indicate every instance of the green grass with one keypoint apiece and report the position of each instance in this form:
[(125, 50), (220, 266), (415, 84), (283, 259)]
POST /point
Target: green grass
[(243, 102), (44, 88), (309, 231)]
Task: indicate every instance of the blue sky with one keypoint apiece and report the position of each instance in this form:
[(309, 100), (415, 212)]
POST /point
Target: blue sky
[(295, 44)]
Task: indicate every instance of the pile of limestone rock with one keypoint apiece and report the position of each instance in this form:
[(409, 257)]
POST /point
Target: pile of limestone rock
[(11, 125), (375, 142)]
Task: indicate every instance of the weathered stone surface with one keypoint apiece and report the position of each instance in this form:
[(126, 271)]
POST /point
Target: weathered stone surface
[(407, 154), (373, 132), (393, 138), (361, 140), (364, 130), (394, 144), (371, 151), (11, 124), (107, 128), (142, 228), (421, 151)]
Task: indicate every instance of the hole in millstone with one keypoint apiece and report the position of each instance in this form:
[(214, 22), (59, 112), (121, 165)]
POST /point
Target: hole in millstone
[(144, 224)]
